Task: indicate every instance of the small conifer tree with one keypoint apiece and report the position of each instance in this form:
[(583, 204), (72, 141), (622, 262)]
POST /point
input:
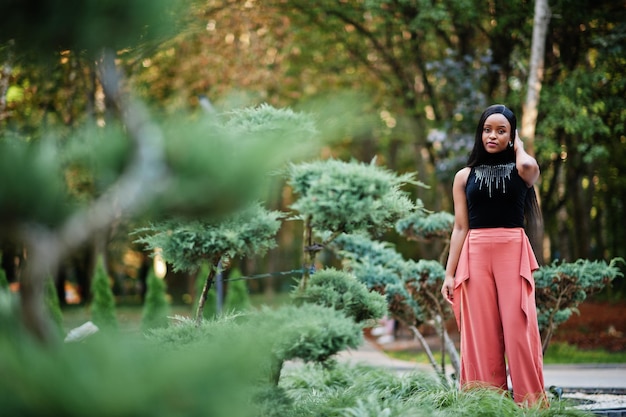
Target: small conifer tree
[(186, 244), (562, 286), (237, 297), (411, 288), (103, 302), (336, 197), (53, 305), (156, 306)]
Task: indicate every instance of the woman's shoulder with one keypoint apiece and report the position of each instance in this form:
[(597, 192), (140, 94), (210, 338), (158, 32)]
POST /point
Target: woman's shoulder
[(462, 174), (460, 178)]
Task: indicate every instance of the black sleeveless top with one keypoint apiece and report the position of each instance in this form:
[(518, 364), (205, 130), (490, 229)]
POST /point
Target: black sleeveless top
[(495, 194)]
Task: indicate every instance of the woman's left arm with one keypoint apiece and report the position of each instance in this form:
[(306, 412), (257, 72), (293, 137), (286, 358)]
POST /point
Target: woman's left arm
[(526, 165)]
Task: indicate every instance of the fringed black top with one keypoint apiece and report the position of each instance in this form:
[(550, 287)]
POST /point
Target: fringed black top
[(495, 194)]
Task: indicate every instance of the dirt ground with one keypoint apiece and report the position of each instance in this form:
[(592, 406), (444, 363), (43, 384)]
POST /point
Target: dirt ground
[(600, 325)]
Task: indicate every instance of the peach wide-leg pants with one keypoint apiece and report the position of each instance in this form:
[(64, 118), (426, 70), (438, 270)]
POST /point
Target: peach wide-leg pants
[(494, 305)]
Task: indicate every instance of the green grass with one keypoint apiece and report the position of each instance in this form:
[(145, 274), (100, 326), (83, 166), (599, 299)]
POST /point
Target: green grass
[(558, 353), (563, 353), (129, 317)]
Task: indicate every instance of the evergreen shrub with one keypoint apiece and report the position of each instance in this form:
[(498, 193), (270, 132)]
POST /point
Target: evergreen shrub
[(237, 297), (103, 302), (343, 291), (156, 307)]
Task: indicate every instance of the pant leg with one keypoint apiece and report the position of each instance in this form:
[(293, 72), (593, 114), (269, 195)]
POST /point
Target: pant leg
[(521, 332), (482, 339)]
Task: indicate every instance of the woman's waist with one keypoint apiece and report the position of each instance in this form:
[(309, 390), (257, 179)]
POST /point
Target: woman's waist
[(491, 234)]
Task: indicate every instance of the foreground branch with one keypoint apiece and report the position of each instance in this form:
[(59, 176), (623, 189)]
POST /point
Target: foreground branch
[(139, 184)]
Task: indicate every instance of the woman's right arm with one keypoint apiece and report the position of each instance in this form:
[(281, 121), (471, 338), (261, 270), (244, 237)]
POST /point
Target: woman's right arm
[(459, 232)]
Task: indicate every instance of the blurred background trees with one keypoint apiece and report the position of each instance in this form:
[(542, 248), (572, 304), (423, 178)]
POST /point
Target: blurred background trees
[(416, 74)]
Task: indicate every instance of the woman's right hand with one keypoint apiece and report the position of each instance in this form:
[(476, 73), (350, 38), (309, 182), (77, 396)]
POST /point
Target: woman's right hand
[(447, 289)]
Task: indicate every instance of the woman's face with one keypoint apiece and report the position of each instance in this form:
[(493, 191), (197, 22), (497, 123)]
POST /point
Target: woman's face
[(496, 133)]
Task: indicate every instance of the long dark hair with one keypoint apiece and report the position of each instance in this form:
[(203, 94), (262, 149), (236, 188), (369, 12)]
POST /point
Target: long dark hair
[(533, 219)]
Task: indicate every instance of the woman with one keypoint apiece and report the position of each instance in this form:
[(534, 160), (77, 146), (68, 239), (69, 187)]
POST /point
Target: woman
[(489, 280)]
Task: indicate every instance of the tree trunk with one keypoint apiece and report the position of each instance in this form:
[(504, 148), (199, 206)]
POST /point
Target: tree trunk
[(535, 74), (205, 291), (448, 344), (43, 256), (535, 78), (429, 353)]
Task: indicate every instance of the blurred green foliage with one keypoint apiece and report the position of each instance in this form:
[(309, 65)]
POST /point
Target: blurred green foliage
[(33, 188), (43, 26), (218, 162), (124, 375), (53, 306)]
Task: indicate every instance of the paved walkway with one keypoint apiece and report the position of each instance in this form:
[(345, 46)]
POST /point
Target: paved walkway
[(566, 376)]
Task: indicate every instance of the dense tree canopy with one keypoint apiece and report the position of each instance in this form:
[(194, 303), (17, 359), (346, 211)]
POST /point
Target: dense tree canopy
[(424, 71)]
